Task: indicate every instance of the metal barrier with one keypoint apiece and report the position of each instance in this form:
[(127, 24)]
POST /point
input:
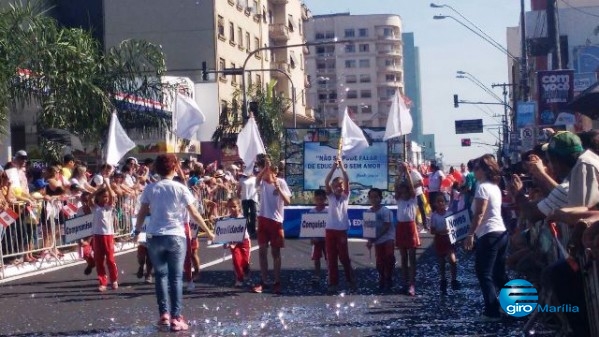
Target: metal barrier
[(40, 229), (590, 275)]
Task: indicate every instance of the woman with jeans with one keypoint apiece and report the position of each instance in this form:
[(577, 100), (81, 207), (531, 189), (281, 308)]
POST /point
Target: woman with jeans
[(491, 236), (167, 245)]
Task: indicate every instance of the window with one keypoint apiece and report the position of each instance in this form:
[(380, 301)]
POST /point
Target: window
[(350, 79), (301, 62), (349, 33), (240, 35), (350, 48), (352, 94), (329, 34), (221, 26), (221, 67), (365, 78), (363, 32), (365, 94), (299, 27), (247, 42), (364, 48), (320, 50), (390, 92), (319, 36), (259, 80), (257, 46), (233, 77), (322, 96), (366, 109), (224, 107), (265, 52), (352, 109), (350, 63), (390, 62), (365, 63), (390, 78), (320, 66), (388, 32), (231, 32), (292, 60), (290, 22)]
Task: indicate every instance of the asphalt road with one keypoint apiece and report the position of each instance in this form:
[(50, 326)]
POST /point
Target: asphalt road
[(67, 303)]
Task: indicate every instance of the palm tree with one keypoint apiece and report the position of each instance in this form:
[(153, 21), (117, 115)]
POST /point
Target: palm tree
[(66, 72)]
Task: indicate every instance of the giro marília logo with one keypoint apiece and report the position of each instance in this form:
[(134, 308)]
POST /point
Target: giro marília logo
[(520, 298)]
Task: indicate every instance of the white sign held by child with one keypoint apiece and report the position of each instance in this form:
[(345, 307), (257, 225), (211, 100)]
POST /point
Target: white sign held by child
[(458, 225), (313, 225), (369, 226), (229, 230), (78, 228)]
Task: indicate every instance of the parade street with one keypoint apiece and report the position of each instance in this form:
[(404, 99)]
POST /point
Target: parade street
[(67, 303)]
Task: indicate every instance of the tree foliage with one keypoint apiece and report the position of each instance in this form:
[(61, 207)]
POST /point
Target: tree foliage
[(269, 109), (68, 74)]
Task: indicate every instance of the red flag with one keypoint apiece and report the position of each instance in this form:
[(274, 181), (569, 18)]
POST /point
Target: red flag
[(69, 210), (8, 217)]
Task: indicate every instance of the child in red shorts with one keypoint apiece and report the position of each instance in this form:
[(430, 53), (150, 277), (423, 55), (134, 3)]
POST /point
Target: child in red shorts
[(406, 233), (442, 244), (240, 251), (318, 244), (191, 256)]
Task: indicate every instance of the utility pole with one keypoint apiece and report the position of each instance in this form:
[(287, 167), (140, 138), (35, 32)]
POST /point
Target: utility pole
[(553, 34), (524, 89), (506, 128)]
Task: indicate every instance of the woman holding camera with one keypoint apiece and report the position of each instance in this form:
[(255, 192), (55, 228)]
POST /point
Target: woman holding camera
[(488, 227)]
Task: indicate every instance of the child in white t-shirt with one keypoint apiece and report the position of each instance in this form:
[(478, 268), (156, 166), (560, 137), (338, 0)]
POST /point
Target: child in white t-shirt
[(318, 244), (240, 251), (443, 247), (103, 230), (384, 248)]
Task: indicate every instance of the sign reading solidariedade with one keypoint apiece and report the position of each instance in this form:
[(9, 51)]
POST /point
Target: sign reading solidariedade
[(229, 230), (313, 225), (369, 168)]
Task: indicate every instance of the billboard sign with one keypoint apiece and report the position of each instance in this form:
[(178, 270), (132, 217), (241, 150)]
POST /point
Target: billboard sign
[(525, 114), (555, 90), (468, 126)]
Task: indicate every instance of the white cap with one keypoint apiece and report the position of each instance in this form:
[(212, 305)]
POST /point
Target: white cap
[(21, 153)]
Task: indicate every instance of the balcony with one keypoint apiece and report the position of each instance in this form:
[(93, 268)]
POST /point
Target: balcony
[(390, 68), (278, 32), (389, 51)]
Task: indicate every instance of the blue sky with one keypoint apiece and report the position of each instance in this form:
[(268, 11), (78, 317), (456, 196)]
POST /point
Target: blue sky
[(446, 47)]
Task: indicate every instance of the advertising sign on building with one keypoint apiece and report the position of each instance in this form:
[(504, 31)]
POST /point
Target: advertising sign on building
[(468, 126), (525, 114), (555, 90), (582, 81)]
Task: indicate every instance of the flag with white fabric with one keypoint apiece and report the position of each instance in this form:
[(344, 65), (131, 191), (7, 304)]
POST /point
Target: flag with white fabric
[(249, 144), (352, 140), (188, 117), (118, 143), (399, 121)]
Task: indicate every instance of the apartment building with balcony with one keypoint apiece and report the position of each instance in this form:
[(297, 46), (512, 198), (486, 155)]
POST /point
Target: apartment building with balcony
[(362, 74), (286, 27)]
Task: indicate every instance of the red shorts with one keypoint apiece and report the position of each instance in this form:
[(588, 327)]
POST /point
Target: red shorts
[(318, 249), (442, 244), (406, 235), (270, 231)]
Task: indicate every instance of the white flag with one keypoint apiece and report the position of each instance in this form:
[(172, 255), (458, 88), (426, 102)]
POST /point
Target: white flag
[(353, 139), (249, 144), (189, 117), (399, 121), (118, 143)]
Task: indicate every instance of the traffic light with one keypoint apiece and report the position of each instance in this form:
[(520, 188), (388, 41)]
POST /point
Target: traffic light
[(204, 71), (456, 101), (466, 142)]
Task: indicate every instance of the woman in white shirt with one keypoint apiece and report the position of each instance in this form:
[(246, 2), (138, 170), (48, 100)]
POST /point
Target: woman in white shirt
[(491, 236)]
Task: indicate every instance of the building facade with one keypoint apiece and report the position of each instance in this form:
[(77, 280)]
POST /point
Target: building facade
[(361, 75)]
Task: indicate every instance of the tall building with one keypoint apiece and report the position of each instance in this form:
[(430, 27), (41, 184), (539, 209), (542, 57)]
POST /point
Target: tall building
[(412, 82), (361, 75)]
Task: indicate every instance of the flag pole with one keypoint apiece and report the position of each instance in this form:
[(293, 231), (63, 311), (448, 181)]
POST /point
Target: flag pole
[(339, 148), (405, 147)]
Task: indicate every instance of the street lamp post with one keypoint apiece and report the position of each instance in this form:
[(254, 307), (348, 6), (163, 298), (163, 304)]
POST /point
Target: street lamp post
[(255, 51)]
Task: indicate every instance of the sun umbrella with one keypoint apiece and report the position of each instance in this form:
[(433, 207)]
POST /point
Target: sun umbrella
[(63, 137), (587, 103)]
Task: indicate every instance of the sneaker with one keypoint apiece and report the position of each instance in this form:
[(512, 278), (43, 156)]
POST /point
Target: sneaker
[(191, 286), (332, 289), (140, 272), (179, 324), (443, 287), (238, 284), (149, 279), (353, 287), (276, 288), (315, 280), (115, 285), (258, 288), (102, 288), (455, 285), (412, 290), (164, 322), (423, 231), (403, 290), (88, 270)]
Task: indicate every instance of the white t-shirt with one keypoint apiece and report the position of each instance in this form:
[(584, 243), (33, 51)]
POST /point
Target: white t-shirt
[(384, 215), (406, 210), (129, 180), (416, 178), (438, 222), (168, 200), (584, 181), (103, 220), (492, 221), (248, 188), (271, 203), (337, 217), (434, 182)]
